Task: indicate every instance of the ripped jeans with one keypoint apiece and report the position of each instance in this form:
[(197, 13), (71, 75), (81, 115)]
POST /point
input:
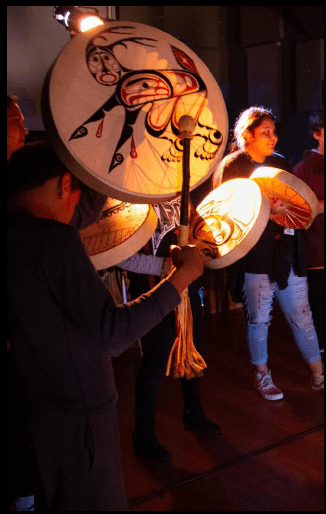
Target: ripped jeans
[(258, 298)]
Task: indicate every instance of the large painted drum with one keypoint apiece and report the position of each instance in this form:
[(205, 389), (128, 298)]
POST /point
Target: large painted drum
[(111, 106), (299, 204), (122, 229), (229, 221)]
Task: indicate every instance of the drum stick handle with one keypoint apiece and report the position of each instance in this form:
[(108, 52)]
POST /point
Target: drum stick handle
[(183, 236), (184, 208), (183, 350), (186, 128)]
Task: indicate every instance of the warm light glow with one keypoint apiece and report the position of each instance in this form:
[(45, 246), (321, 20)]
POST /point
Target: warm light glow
[(229, 221), (300, 202), (89, 23), (77, 20), (66, 18)]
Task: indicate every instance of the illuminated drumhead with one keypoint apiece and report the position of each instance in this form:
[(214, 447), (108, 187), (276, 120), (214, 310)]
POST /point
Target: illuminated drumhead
[(301, 203), (111, 106), (122, 229), (229, 221)]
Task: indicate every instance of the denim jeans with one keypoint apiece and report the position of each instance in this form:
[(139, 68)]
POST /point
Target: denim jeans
[(258, 298)]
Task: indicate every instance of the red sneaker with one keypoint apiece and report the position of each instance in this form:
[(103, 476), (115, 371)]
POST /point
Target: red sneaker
[(317, 381), (264, 385)]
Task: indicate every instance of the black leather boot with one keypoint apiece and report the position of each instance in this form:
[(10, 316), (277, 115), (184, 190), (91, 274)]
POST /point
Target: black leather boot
[(150, 449), (195, 420)]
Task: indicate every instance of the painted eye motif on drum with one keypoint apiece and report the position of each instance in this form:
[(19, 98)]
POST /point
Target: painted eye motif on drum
[(147, 87), (211, 230), (165, 91), (104, 67)]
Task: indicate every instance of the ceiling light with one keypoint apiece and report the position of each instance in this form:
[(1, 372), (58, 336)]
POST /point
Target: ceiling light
[(77, 20)]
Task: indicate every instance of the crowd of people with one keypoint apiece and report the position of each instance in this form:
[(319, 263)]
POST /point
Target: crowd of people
[(64, 326)]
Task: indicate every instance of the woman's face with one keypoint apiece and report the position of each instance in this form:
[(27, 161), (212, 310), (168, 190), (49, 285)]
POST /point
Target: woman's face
[(262, 140)]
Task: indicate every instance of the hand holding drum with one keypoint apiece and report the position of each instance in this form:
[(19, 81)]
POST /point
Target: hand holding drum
[(231, 219), (293, 203), (277, 205)]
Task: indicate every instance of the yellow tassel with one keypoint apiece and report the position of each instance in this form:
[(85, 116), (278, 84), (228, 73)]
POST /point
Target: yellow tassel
[(187, 362)]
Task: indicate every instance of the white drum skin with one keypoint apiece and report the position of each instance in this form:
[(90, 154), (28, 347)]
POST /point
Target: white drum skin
[(111, 105)]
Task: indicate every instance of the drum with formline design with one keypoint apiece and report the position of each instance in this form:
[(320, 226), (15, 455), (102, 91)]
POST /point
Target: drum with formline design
[(229, 221), (121, 231), (111, 107)]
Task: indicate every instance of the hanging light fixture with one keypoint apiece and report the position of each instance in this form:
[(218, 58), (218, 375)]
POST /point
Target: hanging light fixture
[(75, 19)]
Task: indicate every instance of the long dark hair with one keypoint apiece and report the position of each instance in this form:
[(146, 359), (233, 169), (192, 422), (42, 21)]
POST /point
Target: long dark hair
[(249, 119)]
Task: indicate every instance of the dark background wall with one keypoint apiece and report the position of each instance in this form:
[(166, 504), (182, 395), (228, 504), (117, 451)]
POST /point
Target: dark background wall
[(266, 55)]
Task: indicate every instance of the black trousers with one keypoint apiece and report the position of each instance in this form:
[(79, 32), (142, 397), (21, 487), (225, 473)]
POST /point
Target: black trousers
[(21, 467), (156, 346), (78, 459)]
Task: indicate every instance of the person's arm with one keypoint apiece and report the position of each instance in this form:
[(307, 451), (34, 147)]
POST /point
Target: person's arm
[(145, 264), (227, 170), (218, 176), (84, 298)]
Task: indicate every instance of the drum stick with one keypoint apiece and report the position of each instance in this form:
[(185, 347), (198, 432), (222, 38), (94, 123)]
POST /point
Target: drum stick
[(188, 362), (186, 128)]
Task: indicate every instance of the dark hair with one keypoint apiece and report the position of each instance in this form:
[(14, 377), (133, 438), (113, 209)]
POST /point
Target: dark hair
[(249, 119), (11, 100), (32, 165), (316, 121)]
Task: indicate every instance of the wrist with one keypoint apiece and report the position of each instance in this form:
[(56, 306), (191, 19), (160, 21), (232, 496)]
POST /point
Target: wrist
[(166, 267), (181, 278)]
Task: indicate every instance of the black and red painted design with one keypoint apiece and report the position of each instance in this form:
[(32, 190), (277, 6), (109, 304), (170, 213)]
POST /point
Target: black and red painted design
[(160, 92)]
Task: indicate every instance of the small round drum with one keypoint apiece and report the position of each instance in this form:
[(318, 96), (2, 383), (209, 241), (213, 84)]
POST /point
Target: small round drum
[(300, 202), (121, 231), (111, 105), (229, 221)]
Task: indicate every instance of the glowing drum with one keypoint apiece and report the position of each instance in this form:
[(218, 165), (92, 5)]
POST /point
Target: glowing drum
[(300, 202), (111, 106), (121, 231), (229, 221)]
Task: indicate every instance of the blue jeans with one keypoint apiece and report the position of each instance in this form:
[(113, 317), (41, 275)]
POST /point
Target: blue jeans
[(258, 298)]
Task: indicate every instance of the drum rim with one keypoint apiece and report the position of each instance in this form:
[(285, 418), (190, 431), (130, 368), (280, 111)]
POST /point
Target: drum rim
[(129, 246), (290, 180)]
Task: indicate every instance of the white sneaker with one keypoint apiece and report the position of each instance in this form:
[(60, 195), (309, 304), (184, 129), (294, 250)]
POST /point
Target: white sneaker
[(264, 385), (317, 381)]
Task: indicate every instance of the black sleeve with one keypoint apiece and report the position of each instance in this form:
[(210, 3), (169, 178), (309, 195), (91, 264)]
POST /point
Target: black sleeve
[(81, 294)]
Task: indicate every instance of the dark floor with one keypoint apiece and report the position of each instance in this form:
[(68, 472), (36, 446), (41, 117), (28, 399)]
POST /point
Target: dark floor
[(271, 454)]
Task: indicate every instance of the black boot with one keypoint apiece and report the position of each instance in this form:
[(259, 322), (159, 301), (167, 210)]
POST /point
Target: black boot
[(150, 449), (195, 420)]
